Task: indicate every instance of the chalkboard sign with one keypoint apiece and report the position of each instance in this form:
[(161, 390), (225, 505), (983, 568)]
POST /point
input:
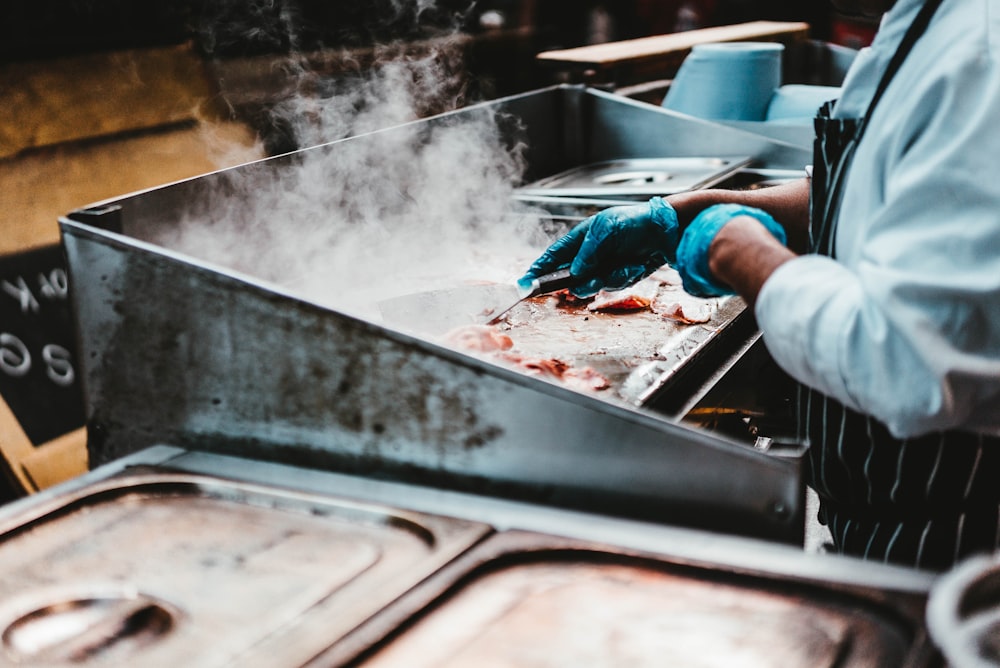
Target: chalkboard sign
[(38, 375)]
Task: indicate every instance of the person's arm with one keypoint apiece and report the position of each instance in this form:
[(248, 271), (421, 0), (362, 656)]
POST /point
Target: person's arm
[(744, 254), (620, 245), (728, 251), (902, 324), (788, 203)]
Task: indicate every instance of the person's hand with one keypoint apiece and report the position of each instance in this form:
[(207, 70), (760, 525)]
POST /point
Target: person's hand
[(614, 248), (692, 251)]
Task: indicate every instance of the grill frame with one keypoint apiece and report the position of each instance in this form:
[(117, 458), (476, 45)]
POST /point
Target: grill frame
[(171, 351)]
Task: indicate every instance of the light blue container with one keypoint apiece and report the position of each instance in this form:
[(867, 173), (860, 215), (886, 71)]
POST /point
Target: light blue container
[(798, 103), (727, 81)]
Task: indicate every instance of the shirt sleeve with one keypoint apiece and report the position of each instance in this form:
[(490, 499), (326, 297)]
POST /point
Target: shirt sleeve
[(905, 325)]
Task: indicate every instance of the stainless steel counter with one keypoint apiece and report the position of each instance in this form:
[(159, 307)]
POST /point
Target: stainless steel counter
[(176, 556)]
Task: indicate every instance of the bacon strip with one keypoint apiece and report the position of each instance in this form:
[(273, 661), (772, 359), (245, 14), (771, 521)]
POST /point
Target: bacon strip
[(486, 339), (478, 338), (584, 378), (619, 301)]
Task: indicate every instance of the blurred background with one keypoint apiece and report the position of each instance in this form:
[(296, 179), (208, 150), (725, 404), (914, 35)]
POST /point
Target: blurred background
[(77, 72)]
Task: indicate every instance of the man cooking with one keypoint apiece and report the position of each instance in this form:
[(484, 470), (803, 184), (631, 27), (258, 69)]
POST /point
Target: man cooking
[(876, 283)]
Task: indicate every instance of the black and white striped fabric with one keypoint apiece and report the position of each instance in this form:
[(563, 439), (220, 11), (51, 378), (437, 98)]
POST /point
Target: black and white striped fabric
[(925, 502)]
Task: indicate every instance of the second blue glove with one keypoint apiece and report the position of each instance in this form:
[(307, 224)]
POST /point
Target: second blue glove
[(692, 251)]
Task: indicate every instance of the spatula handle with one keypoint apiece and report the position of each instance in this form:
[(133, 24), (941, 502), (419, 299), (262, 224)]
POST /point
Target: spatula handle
[(557, 280)]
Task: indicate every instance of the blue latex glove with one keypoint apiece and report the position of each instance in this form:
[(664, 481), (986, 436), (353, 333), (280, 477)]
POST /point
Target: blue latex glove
[(692, 251), (614, 248)]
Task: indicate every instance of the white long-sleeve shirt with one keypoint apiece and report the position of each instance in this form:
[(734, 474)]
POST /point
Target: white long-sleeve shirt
[(905, 324)]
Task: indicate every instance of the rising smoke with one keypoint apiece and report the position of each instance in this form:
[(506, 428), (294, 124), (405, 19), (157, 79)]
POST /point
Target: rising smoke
[(356, 221)]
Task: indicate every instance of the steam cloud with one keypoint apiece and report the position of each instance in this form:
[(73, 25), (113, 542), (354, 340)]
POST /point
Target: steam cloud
[(397, 212)]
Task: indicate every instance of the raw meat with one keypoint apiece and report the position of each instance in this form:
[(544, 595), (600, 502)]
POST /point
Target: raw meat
[(688, 315), (478, 338), (622, 300), (583, 378)]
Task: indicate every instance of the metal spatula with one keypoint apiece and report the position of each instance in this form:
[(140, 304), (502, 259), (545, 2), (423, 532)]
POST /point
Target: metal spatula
[(437, 311)]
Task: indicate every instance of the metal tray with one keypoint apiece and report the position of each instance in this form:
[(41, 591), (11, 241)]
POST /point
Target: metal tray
[(194, 571), (637, 177), (525, 599), (176, 557)]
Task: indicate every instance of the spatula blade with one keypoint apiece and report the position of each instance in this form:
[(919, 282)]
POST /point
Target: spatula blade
[(436, 312)]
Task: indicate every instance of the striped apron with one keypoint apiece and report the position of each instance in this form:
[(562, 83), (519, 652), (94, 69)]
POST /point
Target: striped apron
[(924, 502)]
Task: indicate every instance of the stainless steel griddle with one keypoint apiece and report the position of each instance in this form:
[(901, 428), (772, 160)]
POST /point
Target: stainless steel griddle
[(178, 350)]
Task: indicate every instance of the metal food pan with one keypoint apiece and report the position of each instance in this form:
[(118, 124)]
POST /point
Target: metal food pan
[(172, 569), (527, 599), (637, 177), (113, 568)]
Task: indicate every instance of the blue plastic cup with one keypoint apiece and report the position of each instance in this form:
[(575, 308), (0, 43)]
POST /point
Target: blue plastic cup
[(727, 81)]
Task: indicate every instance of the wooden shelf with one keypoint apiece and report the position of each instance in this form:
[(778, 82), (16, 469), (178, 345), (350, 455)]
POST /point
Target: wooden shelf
[(632, 61)]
